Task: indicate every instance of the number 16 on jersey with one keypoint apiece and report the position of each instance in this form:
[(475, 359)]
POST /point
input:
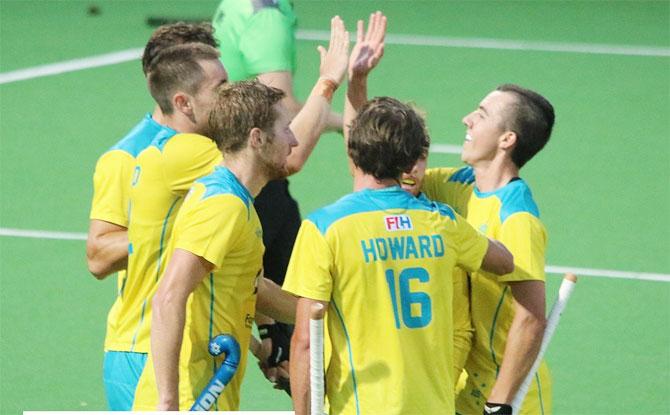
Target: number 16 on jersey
[(417, 301)]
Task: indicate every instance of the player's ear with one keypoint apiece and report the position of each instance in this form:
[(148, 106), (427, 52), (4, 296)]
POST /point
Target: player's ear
[(182, 103), (507, 140), (256, 137)]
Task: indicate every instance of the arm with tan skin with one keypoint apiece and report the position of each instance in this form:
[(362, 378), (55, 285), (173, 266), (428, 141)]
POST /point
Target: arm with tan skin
[(310, 121), (300, 388), (184, 272), (365, 55), (276, 303), (284, 81), (106, 248), (523, 339), (498, 259)]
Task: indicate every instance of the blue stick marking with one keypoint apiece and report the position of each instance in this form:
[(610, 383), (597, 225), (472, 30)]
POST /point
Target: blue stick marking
[(221, 344)]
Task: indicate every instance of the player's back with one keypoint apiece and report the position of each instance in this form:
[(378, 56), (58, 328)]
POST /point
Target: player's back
[(164, 172), (111, 193), (390, 314)]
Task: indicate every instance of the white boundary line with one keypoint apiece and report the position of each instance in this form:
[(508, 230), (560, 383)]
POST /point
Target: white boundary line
[(320, 35), (71, 65), (552, 269), (445, 148), (26, 233)]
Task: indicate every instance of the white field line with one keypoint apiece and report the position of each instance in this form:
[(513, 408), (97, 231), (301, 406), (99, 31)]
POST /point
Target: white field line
[(71, 65), (445, 148), (320, 35), (552, 269)]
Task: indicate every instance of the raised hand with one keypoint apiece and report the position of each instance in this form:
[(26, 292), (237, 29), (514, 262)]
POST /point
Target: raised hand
[(369, 47), (334, 61)]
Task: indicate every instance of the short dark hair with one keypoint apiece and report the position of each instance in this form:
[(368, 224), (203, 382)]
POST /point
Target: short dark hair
[(177, 68), (239, 108), (386, 138), (176, 34), (531, 117)]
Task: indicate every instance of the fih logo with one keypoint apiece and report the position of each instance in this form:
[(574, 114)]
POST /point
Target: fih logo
[(398, 223)]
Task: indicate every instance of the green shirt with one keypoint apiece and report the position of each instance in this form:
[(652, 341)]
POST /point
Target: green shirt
[(255, 37)]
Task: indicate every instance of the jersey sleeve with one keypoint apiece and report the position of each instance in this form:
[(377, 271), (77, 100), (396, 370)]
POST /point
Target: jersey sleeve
[(268, 43), (471, 245), (188, 157), (436, 186), (111, 186), (309, 270), (211, 227), (525, 237)]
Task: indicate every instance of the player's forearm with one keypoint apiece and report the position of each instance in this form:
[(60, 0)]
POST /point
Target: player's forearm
[(275, 302), (357, 95), (107, 253), (334, 123), (523, 344), (167, 329), (299, 369), (310, 122)]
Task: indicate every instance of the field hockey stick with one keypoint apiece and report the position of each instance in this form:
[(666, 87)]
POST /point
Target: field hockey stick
[(316, 358), (564, 293), (221, 344)]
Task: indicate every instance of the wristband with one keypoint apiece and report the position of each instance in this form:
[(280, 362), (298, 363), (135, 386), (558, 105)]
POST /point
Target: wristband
[(326, 87)]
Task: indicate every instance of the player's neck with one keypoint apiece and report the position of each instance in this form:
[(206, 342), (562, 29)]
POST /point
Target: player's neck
[(491, 175), (246, 171), (367, 181), (157, 115)]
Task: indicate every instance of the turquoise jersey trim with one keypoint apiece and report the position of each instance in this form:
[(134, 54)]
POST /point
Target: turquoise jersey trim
[(162, 242), (514, 197), (222, 181), (369, 200), (493, 326), (137, 330), (211, 327), (464, 175), (351, 360), (142, 135), (539, 392)]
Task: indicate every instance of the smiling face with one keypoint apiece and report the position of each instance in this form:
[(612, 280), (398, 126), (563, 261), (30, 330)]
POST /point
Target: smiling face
[(485, 128)]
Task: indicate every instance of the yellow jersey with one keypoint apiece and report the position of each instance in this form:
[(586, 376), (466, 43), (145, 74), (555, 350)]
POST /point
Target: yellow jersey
[(164, 172), (383, 259), (111, 188), (217, 222), (509, 215)]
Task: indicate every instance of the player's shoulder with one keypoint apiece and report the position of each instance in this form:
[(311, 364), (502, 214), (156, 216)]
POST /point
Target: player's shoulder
[(463, 175), (141, 136), (515, 197), (390, 200), (180, 143), (222, 184)]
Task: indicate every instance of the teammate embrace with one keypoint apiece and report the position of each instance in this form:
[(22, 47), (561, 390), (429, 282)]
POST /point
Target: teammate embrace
[(419, 293)]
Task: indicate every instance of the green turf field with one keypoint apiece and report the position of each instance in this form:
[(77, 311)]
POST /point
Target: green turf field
[(602, 183)]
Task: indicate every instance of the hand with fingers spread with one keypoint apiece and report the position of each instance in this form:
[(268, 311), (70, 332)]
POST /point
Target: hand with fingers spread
[(369, 47), (334, 61)]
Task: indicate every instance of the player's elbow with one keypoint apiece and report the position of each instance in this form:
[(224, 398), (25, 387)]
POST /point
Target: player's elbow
[(96, 267)]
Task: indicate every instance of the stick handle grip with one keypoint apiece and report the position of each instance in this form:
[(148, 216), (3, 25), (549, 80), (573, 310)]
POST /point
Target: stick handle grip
[(316, 381), (564, 293)]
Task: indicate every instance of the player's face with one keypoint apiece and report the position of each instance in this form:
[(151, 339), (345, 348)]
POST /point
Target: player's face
[(485, 128), (204, 99), (412, 181), (279, 144)]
